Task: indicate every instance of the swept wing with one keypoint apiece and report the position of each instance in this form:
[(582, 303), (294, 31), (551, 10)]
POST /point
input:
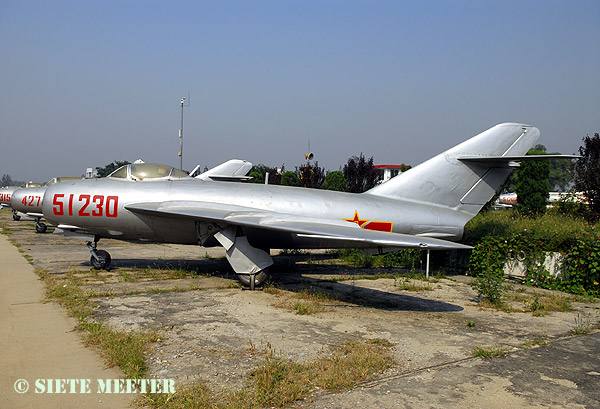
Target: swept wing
[(305, 227)]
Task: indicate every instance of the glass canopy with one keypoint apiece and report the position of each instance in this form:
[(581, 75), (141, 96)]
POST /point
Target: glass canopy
[(145, 171)]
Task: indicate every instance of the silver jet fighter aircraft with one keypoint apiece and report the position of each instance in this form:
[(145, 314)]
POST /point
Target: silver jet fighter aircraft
[(425, 207)]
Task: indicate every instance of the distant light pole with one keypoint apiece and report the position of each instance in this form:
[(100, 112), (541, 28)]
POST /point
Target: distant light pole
[(181, 136)]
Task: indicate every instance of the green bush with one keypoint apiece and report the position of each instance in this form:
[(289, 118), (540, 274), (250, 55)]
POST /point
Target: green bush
[(582, 267), (489, 285)]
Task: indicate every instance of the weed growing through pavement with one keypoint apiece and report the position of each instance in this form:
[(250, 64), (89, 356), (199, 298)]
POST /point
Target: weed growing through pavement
[(488, 351), (277, 381), (543, 340), (583, 324), (304, 302)]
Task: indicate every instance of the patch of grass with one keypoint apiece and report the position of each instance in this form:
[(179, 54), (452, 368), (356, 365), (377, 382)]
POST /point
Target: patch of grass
[(488, 351), (536, 303), (125, 349), (499, 305), (471, 324), (304, 302), (303, 308), (353, 362), (278, 382), (535, 342), (126, 277), (556, 229), (405, 283), (553, 302)]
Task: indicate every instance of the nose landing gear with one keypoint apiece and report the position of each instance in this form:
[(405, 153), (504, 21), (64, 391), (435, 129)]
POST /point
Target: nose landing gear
[(39, 226), (100, 259)]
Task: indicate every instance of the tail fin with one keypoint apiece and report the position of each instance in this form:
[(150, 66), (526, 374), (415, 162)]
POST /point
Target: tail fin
[(466, 176)]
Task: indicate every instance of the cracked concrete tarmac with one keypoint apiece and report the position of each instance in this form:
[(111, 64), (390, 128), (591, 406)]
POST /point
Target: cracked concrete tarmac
[(212, 330)]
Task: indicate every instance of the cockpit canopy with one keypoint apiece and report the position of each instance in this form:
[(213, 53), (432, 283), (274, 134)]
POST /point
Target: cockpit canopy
[(61, 179), (146, 171)]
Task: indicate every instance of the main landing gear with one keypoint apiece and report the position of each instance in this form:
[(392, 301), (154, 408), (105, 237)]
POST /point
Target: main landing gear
[(16, 217), (250, 264), (100, 259)]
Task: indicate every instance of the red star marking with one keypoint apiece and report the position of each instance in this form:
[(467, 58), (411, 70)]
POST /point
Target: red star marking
[(357, 219)]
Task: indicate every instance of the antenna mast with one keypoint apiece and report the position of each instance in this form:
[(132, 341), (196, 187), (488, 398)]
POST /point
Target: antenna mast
[(181, 130)]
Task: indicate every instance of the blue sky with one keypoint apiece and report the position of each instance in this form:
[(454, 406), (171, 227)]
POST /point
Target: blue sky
[(83, 83)]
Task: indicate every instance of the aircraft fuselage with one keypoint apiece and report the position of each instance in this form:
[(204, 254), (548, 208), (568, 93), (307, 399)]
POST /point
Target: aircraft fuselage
[(98, 207)]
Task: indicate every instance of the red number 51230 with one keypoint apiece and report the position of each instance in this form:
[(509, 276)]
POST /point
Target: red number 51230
[(85, 205)]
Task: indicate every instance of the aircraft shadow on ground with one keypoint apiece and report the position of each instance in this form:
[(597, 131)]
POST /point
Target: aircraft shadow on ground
[(202, 267), (364, 297), (290, 276)]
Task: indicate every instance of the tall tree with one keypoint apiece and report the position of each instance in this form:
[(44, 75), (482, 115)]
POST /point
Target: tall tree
[(259, 174), (290, 178), (311, 175), (587, 172), (6, 180), (532, 185), (360, 174), (335, 181), (560, 177), (110, 168)]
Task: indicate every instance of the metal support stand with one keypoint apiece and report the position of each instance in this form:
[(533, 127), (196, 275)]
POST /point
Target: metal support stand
[(427, 265)]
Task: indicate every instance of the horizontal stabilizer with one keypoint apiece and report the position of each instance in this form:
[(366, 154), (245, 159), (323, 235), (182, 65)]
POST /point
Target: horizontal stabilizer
[(507, 159)]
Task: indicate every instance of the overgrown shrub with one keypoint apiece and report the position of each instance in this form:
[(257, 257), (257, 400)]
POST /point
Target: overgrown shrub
[(489, 285), (581, 266), (556, 230)]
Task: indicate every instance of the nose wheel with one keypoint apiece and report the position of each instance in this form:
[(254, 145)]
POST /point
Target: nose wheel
[(40, 227), (100, 259)]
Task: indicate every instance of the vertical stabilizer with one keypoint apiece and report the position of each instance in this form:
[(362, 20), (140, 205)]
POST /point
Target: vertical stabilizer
[(465, 185)]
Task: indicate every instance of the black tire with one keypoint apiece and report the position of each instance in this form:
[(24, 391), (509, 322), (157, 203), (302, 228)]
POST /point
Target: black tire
[(16, 217), (41, 228), (103, 261), (258, 278)]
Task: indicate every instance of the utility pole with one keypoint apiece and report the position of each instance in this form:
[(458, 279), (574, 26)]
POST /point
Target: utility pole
[(181, 136)]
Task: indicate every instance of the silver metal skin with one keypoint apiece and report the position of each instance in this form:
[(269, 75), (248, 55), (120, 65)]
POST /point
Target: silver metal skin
[(28, 201), (5, 196), (425, 207)]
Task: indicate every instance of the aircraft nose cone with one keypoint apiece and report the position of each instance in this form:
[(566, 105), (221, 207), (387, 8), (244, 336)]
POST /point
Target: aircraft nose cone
[(28, 200), (5, 196)]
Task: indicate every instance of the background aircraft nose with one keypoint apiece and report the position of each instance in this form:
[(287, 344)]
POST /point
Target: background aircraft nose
[(28, 200)]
